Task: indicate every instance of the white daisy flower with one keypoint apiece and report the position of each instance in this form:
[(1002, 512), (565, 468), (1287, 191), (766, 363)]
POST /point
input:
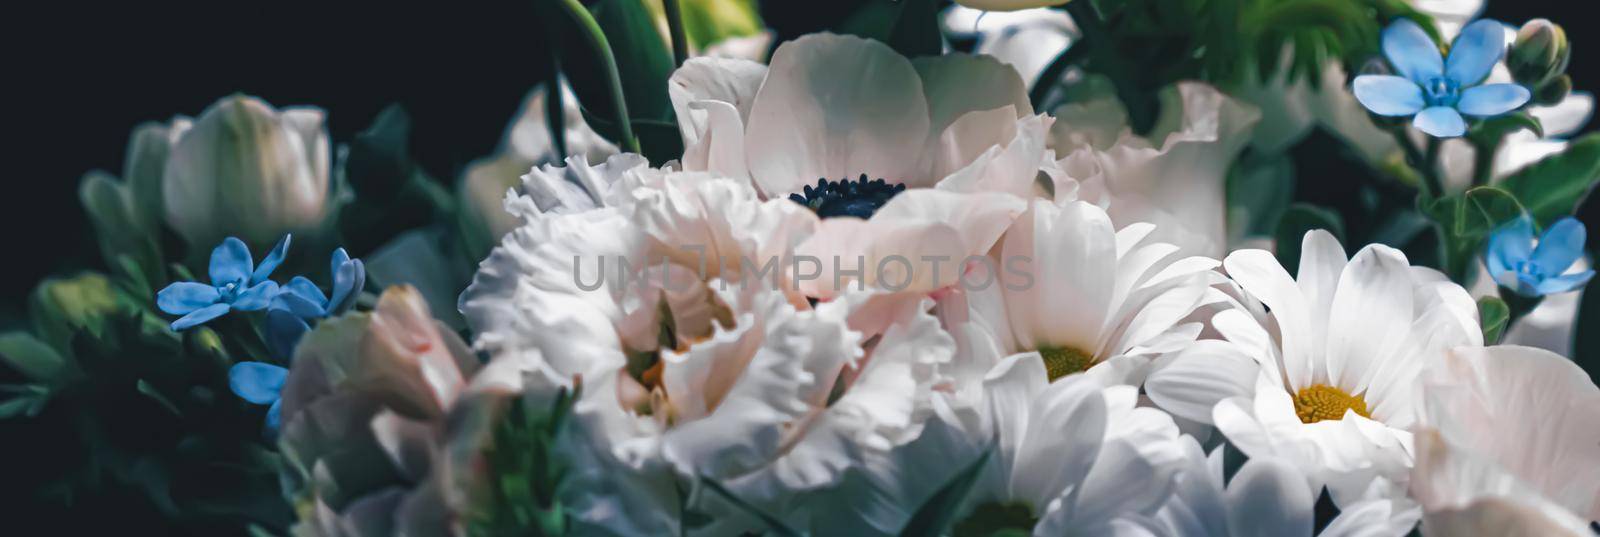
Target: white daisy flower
[(1078, 295), (1509, 445), (1266, 497), (1065, 458), (851, 129), (698, 358), (1339, 354)]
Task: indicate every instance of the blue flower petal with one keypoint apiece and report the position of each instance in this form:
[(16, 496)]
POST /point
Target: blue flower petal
[(1474, 52), (271, 262), (284, 330), (340, 257), (257, 297), (1413, 54), (1441, 122), (183, 297), (274, 416), (1388, 95), (302, 287), (200, 316), (257, 382), (230, 263), (347, 283), (1560, 246), (1492, 99), (298, 305), (1564, 283), (1509, 245)]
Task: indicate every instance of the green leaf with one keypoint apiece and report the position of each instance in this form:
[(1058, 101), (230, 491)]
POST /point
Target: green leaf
[(774, 526), (1475, 213), (659, 140), (1551, 188), (910, 27), (1260, 188), (1494, 315), (643, 62), (1297, 220), (23, 400), (31, 357), (936, 515), (151, 392), (1490, 131)]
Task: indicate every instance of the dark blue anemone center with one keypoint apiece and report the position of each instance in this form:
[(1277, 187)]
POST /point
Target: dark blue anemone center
[(859, 198), (1442, 91)]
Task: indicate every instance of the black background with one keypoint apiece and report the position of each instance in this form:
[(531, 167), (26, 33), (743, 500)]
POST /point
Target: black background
[(80, 76)]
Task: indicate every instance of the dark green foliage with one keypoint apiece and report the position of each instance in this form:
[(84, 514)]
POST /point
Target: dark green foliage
[(136, 424), (523, 472)]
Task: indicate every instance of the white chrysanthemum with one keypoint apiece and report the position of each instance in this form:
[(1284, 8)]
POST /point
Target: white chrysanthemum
[(1076, 294), (697, 358), (1266, 497), (843, 125), (1339, 355), (1174, 177), (1509, 445), (1072, 457)]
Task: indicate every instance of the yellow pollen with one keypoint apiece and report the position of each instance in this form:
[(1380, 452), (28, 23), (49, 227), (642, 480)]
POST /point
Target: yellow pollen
[(1323, 402), (1062, 361)]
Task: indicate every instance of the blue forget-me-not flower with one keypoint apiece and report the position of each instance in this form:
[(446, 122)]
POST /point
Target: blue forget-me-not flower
[(260, 382), (236, 284), (303, 298), (1517, 264), (1439, 90)]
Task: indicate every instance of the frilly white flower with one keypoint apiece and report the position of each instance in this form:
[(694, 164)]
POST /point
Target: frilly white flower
[(1339, 354), (249, 170), (1508, 445), (1175, 178), (697, 360), (832, 109)]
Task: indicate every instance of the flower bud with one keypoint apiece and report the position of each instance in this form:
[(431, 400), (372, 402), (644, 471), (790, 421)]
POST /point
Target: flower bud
[(1540, 53), (67, 306), (1553, 92), (246, 169)]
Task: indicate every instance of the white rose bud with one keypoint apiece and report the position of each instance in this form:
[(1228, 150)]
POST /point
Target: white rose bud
[(248, 170)]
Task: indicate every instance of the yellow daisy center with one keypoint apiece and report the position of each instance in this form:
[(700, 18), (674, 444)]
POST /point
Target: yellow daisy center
[(1062, 361), (1323, 402)]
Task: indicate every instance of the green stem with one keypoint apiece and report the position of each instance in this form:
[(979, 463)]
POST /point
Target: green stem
[(1141, 107), (1052, 73), (601, 47), (1518, 306), (680, 43), (555, 113), (1432, 165), (1483, 162), (1430, 185)]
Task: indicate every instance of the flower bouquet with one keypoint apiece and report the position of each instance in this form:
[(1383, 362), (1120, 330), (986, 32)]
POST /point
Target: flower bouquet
[(990, 267)]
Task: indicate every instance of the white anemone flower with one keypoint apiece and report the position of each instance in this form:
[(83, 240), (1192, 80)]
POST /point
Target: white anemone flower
[(1027, 39), (1175, 177), (1509, 445), (901, 159), (1339, 353), (696, 357)]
